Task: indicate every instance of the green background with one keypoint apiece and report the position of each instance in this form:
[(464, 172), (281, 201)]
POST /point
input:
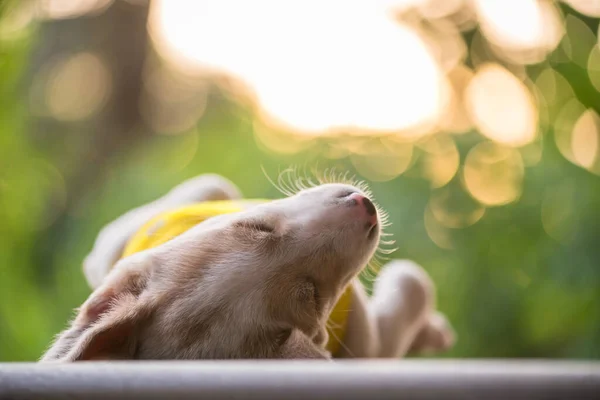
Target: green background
[(508, 288)]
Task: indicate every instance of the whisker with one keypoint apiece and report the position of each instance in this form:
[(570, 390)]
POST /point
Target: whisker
[(298, 178), (385, 251), (279, 189), (282, 181), (369, 273), (333, 325), (293, 179), (285, 184), (341, 343)]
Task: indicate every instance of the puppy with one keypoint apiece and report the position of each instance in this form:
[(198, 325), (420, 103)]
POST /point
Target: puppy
[(257, 283)]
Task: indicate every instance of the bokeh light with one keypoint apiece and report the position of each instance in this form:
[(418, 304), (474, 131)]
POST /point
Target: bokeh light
[(440, 160), (72, 88), (383, 162), (63, 9), (555, 89), (456, 119), (593, 66), (586, 7), (437, 233), (501, 106), (274, 141), (584, 139), (564, 126), (581, 42), (452, 208), (493, 174), (16, 22), (445, 43), (172, 103), (525, 30), (532, 153), (518, 26), (435, 10)]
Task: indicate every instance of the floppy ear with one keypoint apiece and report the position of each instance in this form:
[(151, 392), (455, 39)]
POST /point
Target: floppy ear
[(298, 345), (106, 324)]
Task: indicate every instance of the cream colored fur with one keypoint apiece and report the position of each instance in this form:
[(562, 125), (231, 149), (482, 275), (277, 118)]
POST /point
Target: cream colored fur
[(228, 288)]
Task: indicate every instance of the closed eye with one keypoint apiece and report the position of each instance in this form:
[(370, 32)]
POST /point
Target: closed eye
[(263, 227), (260, 226), (345, 193)]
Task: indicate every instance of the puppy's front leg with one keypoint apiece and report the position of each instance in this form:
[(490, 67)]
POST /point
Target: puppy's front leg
[(402, 302), (361, 339), (398, 319)]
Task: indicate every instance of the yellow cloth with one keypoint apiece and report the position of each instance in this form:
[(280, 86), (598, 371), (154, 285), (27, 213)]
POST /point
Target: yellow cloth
[(170, 224)]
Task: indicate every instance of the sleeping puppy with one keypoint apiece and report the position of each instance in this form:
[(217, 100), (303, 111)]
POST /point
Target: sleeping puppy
[(257, 283)]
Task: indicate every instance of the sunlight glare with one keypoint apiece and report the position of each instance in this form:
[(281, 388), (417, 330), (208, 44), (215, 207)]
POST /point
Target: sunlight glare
[(314, 66)]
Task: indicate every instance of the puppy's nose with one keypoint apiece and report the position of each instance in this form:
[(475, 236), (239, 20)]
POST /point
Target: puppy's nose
[(367, 205)]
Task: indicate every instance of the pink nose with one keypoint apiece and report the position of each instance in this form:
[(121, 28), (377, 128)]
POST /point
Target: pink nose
[(367, 205)]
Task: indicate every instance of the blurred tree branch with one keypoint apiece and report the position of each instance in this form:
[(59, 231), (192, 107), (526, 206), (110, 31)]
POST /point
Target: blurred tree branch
[(82, 150), (119, 36)]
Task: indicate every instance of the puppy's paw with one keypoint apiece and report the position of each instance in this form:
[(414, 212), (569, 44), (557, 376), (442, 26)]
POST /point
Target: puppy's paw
[(405, 289), (436, 336), (206, 187), (446, 336)]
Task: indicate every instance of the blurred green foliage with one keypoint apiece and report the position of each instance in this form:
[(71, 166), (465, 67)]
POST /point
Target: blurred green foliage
[(509, 289)]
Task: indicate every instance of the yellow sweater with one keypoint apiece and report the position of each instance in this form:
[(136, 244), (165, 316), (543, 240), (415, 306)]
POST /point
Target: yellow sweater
[(172, 223)]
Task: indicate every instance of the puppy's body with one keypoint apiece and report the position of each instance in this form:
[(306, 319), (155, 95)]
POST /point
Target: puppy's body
[(259, 283)]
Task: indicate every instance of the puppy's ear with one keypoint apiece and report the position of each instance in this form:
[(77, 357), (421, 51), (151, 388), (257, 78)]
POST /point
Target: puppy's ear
[(106, 324), (298, 345)]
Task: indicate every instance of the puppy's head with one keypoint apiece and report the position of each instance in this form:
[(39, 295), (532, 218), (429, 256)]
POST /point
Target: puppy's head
[(255, 284)]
